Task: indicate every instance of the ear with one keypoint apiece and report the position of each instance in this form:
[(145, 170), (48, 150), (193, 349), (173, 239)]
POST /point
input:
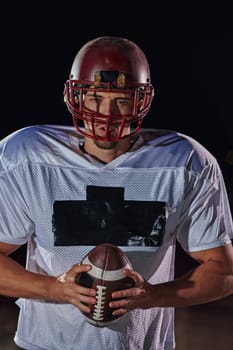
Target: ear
[(76, 99), (140, 104)]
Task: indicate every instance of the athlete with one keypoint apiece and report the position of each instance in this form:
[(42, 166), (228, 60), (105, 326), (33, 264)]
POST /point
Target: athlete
[(66, 189)]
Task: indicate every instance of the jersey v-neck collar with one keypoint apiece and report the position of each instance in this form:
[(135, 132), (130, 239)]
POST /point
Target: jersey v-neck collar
[(77, 145)]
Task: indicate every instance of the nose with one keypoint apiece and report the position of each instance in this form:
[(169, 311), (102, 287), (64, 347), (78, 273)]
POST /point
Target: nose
[(109, 107)]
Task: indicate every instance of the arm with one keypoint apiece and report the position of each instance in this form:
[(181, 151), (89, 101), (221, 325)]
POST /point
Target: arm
[(16, 281), (211, 280)]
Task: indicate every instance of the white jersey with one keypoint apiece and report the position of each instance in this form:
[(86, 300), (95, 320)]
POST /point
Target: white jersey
[(63, 202)]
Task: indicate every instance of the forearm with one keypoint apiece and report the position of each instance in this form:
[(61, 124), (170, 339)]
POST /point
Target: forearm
[(207, 282), (15, 281)]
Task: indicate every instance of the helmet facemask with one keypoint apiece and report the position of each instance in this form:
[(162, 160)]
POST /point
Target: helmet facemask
[(75, 92)]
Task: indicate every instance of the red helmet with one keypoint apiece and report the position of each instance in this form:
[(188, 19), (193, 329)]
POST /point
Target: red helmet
[(109, 64)]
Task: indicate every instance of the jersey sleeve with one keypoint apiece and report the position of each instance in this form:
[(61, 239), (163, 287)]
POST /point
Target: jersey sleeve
[(15, 223), (205, 215)]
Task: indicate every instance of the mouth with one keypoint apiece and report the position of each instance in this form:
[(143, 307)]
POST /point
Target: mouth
[(103, 131)]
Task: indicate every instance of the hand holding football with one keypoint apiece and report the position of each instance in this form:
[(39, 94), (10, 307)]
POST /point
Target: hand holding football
[(106, 275)]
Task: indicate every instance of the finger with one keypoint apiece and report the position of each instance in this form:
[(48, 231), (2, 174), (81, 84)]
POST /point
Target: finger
[(120, 312), (125, 293), (78, 268), (84, 290), (79, 296), (119, 304), (135, 276), (84, 304), (71, 274), (123, 306)]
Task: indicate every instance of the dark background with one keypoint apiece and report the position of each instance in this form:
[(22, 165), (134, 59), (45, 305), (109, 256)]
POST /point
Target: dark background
[(190, 51)]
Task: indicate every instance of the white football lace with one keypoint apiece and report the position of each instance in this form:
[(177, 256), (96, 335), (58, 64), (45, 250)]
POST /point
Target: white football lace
[(98, 313)]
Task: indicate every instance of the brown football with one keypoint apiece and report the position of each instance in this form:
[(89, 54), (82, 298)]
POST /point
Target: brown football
[(106, 276)]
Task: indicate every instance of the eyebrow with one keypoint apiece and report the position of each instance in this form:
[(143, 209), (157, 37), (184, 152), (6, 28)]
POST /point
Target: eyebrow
[(95, 94)]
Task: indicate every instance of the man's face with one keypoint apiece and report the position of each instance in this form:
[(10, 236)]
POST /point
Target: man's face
[(110, 105)]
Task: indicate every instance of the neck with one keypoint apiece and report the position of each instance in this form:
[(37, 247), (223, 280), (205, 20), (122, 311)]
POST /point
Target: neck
[(106, 151)]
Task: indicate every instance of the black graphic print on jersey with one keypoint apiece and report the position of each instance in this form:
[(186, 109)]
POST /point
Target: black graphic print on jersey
[(106, 217)]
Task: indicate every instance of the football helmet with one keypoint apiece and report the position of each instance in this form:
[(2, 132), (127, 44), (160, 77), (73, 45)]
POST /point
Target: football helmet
[(109, 64)]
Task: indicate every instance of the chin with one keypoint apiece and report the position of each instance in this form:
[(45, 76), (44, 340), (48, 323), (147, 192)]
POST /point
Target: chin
[(105, 144)]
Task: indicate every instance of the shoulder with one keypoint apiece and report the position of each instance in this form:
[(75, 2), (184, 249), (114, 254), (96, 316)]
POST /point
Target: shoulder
[(29, 143), (174, 149)]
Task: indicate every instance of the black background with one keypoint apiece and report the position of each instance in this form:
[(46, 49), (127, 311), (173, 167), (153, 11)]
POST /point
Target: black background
[(189, 48)]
